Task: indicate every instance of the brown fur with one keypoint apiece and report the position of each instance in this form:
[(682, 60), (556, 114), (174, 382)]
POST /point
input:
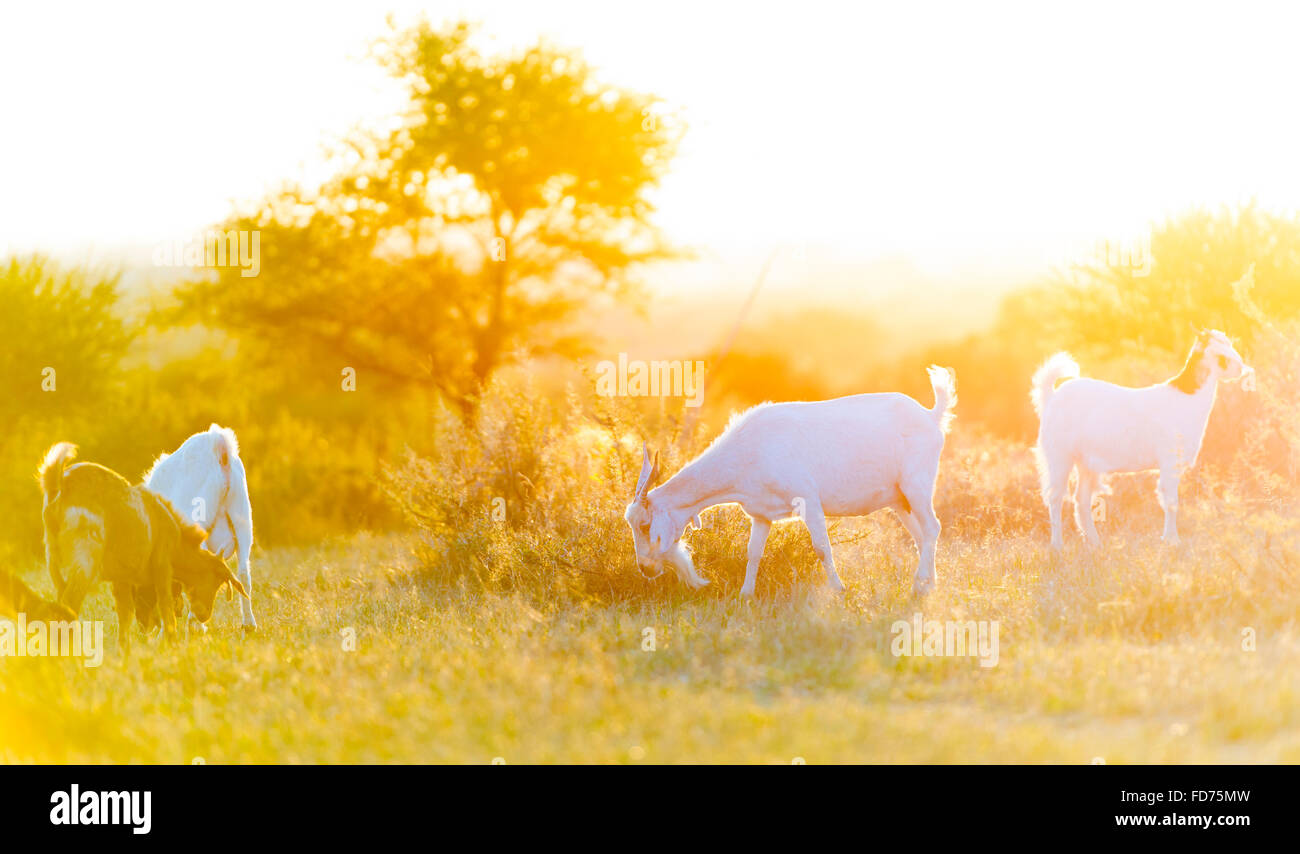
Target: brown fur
[(1194, 372), (17, 598), (195, 570), (99, 527), (146, 606)]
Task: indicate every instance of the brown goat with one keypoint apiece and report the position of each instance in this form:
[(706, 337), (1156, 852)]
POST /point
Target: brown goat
[(17, 598), (99, 527)]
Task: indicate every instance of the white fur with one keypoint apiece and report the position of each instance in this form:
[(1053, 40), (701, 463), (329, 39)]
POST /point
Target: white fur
[(82, 544), (1099, 428), (214, 495), (845, 457)]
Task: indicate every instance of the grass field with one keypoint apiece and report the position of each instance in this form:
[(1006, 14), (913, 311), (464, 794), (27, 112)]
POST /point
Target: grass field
[(1133, 654)]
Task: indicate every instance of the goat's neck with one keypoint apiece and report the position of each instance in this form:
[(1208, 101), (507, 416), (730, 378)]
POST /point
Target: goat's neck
[(701, 484), (1196, 414), (1202, 400)]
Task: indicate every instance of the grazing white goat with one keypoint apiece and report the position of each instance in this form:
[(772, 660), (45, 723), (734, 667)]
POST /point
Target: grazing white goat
[(844, 457), (1099, 428), (204, 479)]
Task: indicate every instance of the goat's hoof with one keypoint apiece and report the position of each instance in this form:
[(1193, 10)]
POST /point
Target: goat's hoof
[(250, 628), (746, 594), (923, 587)]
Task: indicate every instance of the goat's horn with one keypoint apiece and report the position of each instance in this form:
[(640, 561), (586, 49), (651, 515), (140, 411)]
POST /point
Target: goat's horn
[(647, 470), (236, 585)]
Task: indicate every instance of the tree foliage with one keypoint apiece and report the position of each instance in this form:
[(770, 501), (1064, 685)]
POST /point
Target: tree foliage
[(1196, 259), (63, 337), (513, 192)]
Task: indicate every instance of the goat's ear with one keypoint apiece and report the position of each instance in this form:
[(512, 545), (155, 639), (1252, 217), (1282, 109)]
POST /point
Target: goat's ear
[(193, 534)]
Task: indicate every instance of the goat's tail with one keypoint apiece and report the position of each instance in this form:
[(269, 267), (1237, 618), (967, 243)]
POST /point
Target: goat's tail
[(225, 443), (51, 471), (944, 383), (1057, 367)]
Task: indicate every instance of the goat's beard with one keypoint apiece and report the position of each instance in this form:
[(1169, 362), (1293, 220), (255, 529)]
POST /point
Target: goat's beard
[(679, 558)]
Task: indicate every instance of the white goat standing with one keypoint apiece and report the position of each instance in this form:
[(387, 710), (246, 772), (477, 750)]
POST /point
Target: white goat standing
[(204, 479), (1099, 428), (844, 457)]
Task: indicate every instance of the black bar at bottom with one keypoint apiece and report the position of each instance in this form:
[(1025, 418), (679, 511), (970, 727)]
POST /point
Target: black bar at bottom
[(324, 805)]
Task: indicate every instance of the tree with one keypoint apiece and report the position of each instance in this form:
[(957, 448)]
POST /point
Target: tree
[(514, 191), (63, 338), (1195, 260)]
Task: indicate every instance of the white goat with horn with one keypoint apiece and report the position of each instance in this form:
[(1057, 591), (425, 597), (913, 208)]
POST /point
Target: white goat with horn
[(1099, 428), (844, 457)]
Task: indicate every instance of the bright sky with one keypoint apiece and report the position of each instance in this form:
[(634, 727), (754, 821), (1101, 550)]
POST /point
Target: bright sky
[(943, 132)]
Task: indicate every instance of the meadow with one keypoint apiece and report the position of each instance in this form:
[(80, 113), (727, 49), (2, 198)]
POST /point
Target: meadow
[(466, 591), (504, 644)]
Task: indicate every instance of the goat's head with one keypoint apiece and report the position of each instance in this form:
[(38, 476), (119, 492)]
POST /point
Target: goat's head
[(1220, 358), (657, 530), (146, 605), (203, 574)]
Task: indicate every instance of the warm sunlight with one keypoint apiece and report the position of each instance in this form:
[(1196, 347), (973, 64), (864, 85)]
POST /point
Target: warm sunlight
[(668, 383), (999, 137)]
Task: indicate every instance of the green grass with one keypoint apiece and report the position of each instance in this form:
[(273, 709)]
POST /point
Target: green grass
[(1134, 654)]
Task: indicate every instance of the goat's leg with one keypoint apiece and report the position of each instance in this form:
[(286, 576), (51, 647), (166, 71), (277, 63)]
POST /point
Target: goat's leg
[(246, 579), (921, 499), (166, 609), (1167, 492), (926, 574), (910, 522), (159, 572), (1055, 481), (240, 514), (124, 597), (241, 525), (815, 519), (1083, 493), (758, 529)]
